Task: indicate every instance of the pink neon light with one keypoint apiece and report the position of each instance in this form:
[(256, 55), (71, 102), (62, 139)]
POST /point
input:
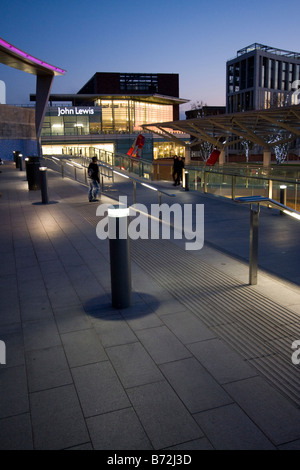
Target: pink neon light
[(30, 57)]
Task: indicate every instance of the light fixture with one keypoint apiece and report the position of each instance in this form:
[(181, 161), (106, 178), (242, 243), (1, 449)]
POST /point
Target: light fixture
[(121, 174), (148, 186), (118, 212), (292, 214)]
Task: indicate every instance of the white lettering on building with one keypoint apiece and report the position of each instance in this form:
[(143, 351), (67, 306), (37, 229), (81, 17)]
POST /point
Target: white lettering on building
[(68, 110)]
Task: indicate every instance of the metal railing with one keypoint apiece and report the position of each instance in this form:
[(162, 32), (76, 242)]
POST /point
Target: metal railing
[(69, 167), (138, 166), (245, 182), (254, 222)]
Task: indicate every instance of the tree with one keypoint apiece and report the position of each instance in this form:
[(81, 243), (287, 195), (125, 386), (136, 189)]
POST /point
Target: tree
[(204, 150), (246, 145), (281, 148)]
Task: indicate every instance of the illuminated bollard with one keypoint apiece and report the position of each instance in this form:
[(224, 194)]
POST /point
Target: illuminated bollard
[(44, 185), (20, 159), (186, 183), (33, 176), (16, 154), (120, 269), (282, 197)]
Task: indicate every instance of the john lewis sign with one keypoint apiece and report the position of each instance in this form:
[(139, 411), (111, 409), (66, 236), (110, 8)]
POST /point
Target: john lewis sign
[(75, 110)]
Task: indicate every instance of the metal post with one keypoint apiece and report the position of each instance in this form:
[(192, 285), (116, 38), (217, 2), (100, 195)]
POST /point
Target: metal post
[(253, 256), (186, 183), (16, 158), (134, 192), (120, 269), (233, 184), (159, 203), (26, 167), (62, 170), (20, 158), (205, 181), (44, 186), (282, 197)]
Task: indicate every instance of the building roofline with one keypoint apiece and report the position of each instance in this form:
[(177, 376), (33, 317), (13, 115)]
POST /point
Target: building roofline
[(151, 97), (268, 49), (18, 59)]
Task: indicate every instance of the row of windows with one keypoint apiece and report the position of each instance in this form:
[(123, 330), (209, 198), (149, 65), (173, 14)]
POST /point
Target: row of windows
[(278, 75), (115, 117), (139, 82), (273, 74)]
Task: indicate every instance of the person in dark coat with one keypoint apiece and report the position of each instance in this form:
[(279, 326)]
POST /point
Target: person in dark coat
[(94, 180), (180, 167), (175, 167)]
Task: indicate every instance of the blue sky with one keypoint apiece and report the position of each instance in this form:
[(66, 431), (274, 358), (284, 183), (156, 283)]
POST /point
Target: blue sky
[(193, 38)]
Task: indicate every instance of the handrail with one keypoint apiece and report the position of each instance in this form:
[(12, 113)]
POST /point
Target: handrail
[(254, 220), (143, 183), (104, 166), (266, 201)]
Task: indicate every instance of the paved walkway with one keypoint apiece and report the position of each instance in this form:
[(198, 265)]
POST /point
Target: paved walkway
[(201, 360)]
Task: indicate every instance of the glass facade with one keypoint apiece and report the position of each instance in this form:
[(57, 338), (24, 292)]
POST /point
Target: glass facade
[(71, 120), (107, 117), (167, 150), (261, 77)]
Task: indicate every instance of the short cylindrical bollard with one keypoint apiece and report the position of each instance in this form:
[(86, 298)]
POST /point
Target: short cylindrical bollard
[(26, 167), (16, 158), (120, 268), (44, 185), (20, 158), (33, 173), (282, 197), (186, 183)]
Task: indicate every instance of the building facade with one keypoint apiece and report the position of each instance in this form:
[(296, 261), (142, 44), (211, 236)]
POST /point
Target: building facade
[(17, 131), (108, 113), (261, 77)]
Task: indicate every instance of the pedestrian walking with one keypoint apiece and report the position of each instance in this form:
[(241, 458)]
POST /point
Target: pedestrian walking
[(94, 180), (175, 167), (180, 167)]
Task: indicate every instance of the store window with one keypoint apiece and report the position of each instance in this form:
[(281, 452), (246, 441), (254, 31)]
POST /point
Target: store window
[(167, 150)]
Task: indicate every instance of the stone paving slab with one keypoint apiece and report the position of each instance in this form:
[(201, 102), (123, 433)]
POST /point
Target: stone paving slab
[(155, 376)]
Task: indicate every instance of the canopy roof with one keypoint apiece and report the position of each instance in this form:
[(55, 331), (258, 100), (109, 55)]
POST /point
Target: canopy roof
[(14, 57), (82, 97), (264, 127)]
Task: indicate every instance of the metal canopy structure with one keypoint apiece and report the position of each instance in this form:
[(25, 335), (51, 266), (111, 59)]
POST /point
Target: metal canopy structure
[(82, 97), (266, 128), (15, 58)]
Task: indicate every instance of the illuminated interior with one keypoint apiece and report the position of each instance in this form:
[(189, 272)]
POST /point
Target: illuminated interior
[(167, 150), (81, 149)]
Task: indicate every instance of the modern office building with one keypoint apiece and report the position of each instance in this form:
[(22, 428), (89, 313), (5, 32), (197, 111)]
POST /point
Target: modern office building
[(261, 77), (205, 111), (108, 113)]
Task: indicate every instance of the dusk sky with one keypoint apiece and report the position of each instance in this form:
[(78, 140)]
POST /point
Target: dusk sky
[(193, 38)]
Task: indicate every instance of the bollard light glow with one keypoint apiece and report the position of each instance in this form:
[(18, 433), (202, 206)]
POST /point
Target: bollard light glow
[(118, 212)]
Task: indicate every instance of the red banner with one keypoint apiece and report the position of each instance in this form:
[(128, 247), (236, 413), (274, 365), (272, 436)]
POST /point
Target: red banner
[(136, 148), (213, 158)]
